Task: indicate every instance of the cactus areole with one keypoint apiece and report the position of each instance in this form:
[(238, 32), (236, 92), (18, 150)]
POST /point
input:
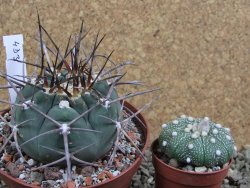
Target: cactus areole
[(198, 142)]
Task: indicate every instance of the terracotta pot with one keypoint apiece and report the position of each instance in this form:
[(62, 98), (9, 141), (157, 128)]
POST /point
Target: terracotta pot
[(170, 177), (121, 181)]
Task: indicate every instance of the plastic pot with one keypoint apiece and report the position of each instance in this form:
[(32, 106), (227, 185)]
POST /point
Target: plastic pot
[(170, 177), (123, 180)]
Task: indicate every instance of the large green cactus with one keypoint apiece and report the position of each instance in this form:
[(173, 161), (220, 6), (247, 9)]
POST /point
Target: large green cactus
[(199, 142), (69, 111), (64, 109)]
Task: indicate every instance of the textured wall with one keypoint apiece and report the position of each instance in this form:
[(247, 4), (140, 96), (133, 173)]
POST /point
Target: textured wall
[(197, 51)]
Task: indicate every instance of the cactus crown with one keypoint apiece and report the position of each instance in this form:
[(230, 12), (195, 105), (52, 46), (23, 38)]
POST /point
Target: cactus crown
[(199, 142), (69, 110)]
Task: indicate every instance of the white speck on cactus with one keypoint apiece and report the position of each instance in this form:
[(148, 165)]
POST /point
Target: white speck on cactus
[(164, 126), (195, 135), (218, 125), (204, 125), (174, 133), (227, 129), (188, 160), (189, 126), (190, 146), (190, 118), (218, 152), (15, 129), (64, 128), (118, 125), (64, 104), (106, 104), (86, 93), (187, 130), (26, 104), (197, 132), (228, 137), (235, 148), (203, 133), (164, 143), (183, 116), (212, 140), (206, 118), (215, 131), (175, 122)]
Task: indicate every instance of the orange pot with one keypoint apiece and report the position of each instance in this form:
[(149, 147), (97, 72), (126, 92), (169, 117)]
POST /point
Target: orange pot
[(123, 180), (170, 177)]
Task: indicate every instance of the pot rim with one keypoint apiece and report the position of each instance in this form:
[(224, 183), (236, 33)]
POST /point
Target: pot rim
[(139, 158), (184, 171)]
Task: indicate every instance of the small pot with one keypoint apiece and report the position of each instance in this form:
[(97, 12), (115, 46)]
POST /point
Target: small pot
[(170, 177), (122, 181)]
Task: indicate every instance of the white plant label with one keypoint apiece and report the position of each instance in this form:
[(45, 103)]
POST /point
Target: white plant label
[(14, 50)]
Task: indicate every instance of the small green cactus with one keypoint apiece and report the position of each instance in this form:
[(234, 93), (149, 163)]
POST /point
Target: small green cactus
[(198, 142)]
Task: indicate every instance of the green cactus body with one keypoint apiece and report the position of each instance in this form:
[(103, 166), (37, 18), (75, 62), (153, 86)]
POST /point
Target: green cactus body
[(44, 148), (199, 142)]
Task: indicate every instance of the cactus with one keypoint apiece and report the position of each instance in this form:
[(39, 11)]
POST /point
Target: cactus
[(198, 142), (69, 109), (90, 131)]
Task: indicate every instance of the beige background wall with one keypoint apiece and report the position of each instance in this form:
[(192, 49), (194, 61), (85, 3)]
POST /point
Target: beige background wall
[(197, 51)]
